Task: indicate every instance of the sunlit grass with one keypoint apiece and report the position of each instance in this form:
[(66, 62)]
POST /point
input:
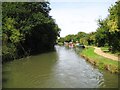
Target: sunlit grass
[(100, 61), (106, 50)]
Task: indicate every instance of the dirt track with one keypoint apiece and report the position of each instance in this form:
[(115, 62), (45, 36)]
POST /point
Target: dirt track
[(107, 55)]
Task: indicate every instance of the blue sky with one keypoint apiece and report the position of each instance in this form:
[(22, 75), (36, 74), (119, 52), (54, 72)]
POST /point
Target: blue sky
[(73, 16)]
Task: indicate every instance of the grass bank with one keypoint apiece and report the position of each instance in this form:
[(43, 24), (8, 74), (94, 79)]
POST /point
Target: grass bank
[(106, 50), (100, 61)]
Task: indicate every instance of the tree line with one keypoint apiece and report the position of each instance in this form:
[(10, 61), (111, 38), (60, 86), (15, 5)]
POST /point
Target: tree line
[(107, 33), (27, 29)]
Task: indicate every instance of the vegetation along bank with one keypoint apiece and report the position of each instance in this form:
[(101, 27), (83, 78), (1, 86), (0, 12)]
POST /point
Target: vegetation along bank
[(27, 29), (100, 61)]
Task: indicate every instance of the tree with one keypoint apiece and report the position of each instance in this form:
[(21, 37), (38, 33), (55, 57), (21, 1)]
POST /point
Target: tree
[(108, 32), (69, 37), (91, 38), (27, 27), (101, 34)]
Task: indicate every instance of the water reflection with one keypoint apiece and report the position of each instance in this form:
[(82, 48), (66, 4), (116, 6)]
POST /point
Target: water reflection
[(30, 72)]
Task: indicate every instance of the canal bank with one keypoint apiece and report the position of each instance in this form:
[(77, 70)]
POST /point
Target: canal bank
[(99, 61)]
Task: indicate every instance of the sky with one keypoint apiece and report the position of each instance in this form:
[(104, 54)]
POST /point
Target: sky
[(73, 16)]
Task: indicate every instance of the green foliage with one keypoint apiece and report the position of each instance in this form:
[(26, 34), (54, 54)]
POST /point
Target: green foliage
[(101, 34), (27, 27), (81, 37), (91, 38), (74, 38), (84, 40), (11, 31), (113, 17), (62, 40), (108, 32), (69, 38)]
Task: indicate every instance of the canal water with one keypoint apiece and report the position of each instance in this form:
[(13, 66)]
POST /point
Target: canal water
[(63, 68)]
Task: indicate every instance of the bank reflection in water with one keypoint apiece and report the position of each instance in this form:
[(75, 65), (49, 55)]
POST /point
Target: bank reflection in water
[(63, 68)]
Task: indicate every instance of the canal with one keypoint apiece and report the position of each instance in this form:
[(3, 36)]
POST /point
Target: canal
[(62, 68)]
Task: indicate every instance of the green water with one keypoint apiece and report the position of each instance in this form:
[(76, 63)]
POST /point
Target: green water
[(63, 68)]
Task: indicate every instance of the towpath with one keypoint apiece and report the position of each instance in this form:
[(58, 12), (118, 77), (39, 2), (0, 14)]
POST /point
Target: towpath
[(107, 55)]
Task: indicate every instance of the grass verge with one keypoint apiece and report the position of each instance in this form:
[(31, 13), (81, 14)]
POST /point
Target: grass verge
[(100, 61), (106, 50)]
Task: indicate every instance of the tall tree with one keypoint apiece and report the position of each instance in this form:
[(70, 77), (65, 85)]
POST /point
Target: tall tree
[(109, 29), (28, 27)]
